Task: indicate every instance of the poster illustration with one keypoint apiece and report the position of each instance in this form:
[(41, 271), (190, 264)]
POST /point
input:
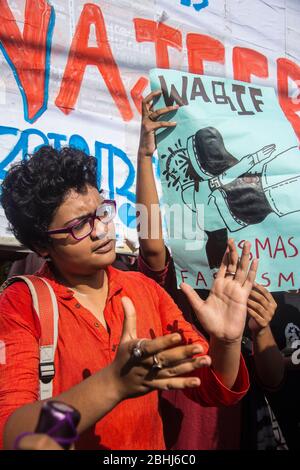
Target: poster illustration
[(229, 169)]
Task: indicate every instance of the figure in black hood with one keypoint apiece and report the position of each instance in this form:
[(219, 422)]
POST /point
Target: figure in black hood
[(211, 153), (244, 195)]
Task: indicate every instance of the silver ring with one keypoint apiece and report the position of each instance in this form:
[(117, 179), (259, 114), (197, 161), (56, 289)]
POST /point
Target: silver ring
[(137, 351), (157, 365), (230, 273)]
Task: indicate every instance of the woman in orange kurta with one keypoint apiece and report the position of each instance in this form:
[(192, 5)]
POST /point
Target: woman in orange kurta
[(55, 208)]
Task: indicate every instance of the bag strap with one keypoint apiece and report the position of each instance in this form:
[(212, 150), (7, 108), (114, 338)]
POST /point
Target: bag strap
[(46, 306)]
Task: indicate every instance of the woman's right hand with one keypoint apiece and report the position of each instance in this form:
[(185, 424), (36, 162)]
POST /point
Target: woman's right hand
[(134, 377), (150, 124)]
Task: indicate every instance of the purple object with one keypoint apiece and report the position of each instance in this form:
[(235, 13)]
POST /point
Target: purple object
[(59, 421)]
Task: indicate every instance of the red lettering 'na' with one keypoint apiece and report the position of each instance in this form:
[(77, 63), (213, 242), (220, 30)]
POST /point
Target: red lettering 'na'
[(101, 56)]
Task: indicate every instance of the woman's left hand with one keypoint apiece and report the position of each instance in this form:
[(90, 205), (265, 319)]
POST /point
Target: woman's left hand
[(223, 314)]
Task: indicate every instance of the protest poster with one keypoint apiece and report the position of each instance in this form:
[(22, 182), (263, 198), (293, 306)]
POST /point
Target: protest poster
[(229, 169)]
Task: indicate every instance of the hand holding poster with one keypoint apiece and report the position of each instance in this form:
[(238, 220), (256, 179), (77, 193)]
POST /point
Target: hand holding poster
[(229, 169)]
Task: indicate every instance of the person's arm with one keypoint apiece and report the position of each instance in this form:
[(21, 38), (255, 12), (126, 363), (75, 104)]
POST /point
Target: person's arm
[(213, 390), (223, 314), (269, 362), (150, 235), (123, 378), (245, 165)]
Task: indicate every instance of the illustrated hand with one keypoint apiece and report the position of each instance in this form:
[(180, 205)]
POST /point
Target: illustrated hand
[(264, 153), (135, 377), (261, 308), (150, 124), (223, 314)]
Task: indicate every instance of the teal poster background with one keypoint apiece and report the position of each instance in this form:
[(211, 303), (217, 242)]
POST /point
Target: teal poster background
[(232, 164)]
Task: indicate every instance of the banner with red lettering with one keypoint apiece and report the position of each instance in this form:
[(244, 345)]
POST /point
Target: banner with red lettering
[(74, 73)]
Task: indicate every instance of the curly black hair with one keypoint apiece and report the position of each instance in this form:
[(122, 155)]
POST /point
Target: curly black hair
[(33, 190)]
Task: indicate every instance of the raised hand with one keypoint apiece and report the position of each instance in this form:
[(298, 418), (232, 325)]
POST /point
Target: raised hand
[(223, 314), (150, 123), (261, 308), (162, 361)]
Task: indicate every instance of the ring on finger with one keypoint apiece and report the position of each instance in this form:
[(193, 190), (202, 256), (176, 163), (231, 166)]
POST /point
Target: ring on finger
[(137, 352), (157, 365), (230, 273)]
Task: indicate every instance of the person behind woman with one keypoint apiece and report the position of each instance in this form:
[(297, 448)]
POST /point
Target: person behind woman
[(55, 208), (215, 427), (277, 367), (200, 427)]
